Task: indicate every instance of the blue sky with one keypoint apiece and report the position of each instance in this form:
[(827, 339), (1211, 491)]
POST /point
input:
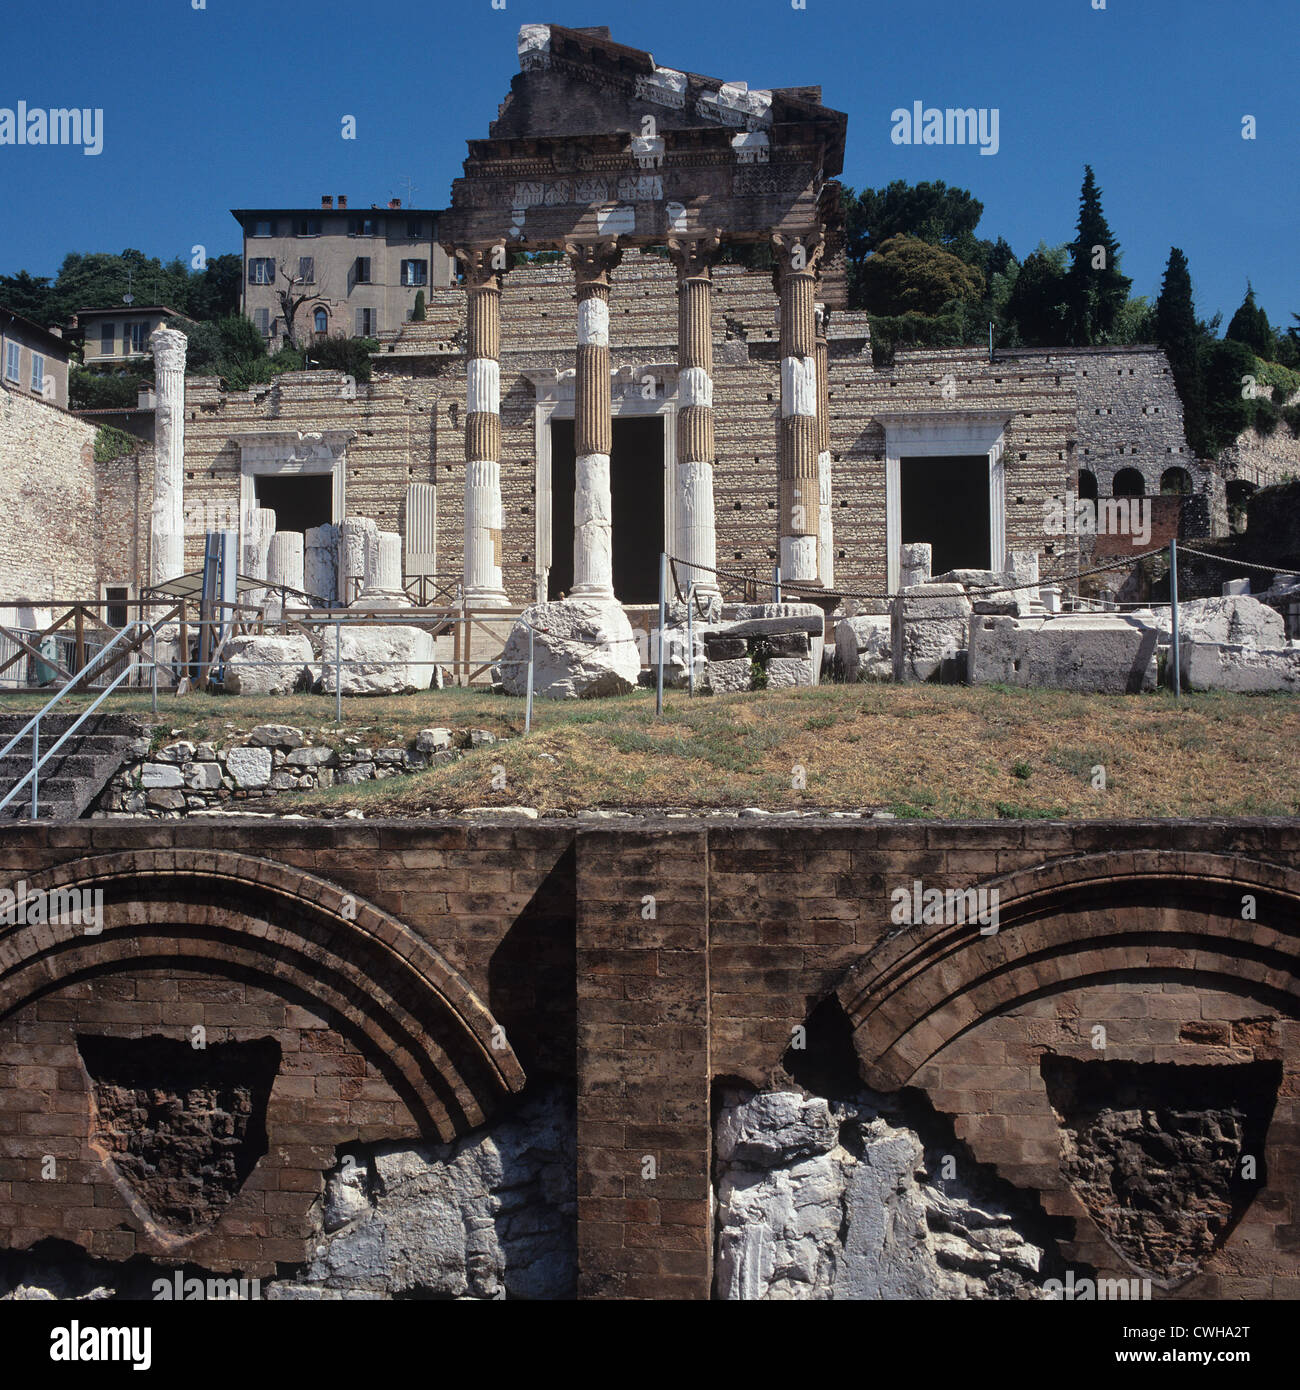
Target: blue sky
[(240, 104)]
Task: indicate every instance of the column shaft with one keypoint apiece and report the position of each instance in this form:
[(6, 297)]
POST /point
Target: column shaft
[(697, 532), (593, 560), (167, 519), (825, 518), (795, 277), (484, 517)]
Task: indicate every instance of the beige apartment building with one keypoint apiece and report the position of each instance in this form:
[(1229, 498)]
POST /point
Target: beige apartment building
[(33, 360), (117, 336), (362, 268)]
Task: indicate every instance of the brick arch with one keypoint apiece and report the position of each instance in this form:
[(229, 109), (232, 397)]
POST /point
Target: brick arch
[(1072, 923), (282, 927)]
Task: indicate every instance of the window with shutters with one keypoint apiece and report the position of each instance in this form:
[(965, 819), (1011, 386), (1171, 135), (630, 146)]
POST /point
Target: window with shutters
[(361, 271), (367, 323), (38, 371), (263, 228), (414, 228), (261, 271), (138, 339), (307, 269), (363, 226), (308, 226), (262, 318), (107, 337), (415, 272), (13, 355)]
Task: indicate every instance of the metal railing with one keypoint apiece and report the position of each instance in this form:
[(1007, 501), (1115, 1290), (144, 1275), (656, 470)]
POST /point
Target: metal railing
[(77, 680)]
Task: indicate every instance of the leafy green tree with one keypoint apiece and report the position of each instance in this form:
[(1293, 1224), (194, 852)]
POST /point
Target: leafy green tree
[(1096, 292), (92, 390), (1228, 410), (340, 354), (27, 295), (214, 291), (1037, 307), (907, 275), (1250, 325)]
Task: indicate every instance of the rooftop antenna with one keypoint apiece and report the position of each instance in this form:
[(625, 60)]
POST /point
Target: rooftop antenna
[(410, 190)]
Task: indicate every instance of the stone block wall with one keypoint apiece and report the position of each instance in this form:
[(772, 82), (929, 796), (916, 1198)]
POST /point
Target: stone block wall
[(47, 501)]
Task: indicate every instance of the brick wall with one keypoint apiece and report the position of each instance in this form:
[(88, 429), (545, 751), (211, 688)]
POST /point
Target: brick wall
[(414, 978)]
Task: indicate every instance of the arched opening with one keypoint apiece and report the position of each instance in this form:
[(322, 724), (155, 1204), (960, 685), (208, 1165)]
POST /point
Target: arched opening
[(1128, 482), (1175, 482), (1087, 485), (321, 321), (1239, 492)]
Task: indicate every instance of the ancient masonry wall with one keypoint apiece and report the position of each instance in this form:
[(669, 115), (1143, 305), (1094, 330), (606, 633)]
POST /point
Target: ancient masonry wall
[(611, 1028), (1130, 417), (123, 501), (1065, 410), (47, 501)]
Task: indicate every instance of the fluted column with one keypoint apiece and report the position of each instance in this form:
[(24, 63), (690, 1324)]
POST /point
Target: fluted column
[(697, 541), (825, 519), (484, 516), (167, 519), (795, 277), (593, 561)]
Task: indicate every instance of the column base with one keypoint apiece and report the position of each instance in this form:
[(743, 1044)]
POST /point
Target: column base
[(799, 560), (486, 598)]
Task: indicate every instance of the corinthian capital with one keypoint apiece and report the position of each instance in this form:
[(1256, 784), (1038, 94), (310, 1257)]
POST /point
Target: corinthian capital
[(797, 253), (593, 261), (695, 255), (483, 265)]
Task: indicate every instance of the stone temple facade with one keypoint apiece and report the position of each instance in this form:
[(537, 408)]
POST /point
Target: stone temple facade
[(611, 378)]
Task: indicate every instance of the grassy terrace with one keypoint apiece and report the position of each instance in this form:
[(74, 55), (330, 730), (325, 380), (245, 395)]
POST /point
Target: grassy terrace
[(918, 751)]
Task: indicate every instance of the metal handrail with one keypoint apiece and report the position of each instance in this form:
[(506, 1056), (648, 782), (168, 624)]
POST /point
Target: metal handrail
[(34, 723), (71, 685)]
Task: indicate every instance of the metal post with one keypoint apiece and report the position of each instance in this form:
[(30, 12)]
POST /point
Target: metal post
[(663, 622), (690, 636), (153, 670), (36, 748), (776, 582), (528, 704), (1173, 613), (338, 672)]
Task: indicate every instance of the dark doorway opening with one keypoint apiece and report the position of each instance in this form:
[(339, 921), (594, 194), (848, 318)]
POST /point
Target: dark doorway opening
[(945, 501), (636, 470), (299, 502)]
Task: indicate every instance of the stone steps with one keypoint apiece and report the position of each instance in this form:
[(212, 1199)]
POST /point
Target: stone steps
[(74, 777)]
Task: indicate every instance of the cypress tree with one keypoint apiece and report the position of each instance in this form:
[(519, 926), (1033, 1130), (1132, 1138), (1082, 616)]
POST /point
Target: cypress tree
[(1180, 336), (1250, 325), (1096, 289)]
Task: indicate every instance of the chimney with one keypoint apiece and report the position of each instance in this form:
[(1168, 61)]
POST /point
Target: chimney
[(394, 202), (326, 201), (343, 200)]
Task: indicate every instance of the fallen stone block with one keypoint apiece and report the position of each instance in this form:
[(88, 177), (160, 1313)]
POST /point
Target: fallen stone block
[(381, 661), (784, 672), (1233, 619), (727, 677), (719, 648), (865, 647), (581, 649), (267, 665), (1239, 667), (929, 624), (1091, 652), (788, 644)]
